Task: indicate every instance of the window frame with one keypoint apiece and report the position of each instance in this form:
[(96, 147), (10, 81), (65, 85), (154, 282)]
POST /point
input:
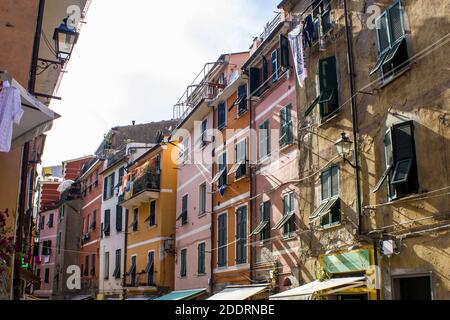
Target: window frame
[(151, 275), (289, 228), (330, 198), (222, 125), (202, 198), (266, 124), (183, 263), (222, 247), (201, 259), (274, 64), (106, 266), (286, 125), (241, 238)]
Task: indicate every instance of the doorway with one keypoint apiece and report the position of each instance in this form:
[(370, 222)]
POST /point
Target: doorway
[(412, 288)]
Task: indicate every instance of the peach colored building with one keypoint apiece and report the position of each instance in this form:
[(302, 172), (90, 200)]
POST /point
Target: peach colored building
[(274, 187)]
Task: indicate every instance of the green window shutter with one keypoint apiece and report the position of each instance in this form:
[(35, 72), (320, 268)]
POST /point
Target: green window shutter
[(118, 218), (255, 81), (334, 181), (112, 185), (283, 128), (105, 188), (395, 22), (382, 33), (284, 48), (289, 125), (328, 86), (274, 65)]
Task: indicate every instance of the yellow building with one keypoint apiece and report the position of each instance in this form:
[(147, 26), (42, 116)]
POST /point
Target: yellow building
[(149, 195)]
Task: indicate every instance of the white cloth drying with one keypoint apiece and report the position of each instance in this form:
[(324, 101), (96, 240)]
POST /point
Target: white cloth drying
[(10, 112)]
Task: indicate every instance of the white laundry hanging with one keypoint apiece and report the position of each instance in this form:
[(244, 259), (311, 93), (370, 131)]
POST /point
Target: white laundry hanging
[(10, 112)]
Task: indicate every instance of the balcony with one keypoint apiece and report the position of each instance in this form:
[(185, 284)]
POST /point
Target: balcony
[(143, 189)]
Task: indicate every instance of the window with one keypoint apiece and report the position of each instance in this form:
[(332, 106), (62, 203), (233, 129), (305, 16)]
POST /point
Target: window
[(149, 270), (108, 186), (42, 222), (121, 174), (286, 127), (221, 115), (132, 271), (322, 18), (96, 179), (90, 183), (93, 265), (94, 220), (185, 150), (289, 211), (224, 169), (240, 167), (106, 266), (264, 140), (116, 273), (222, 240), (86, 266), (242, 99), (275, 66), (50, 220), (119, 219), (284, 51), (202, 199), (184, 209), (328, 84), (47, 275), (47, 248), (255, 81), (135, 219), (183, 269), (391, 40), (203, 133), (400, 161), (106, 223), (241, 235), (201, 251), (152, 214), (329, 211), (265, 220), (61, 213), (58, 242)]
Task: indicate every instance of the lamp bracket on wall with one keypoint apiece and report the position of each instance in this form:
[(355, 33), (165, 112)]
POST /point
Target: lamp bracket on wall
[(44, 64)]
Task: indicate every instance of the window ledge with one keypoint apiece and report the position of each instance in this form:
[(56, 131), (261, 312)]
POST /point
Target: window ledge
[(289, 237), (285, 147), (328, 227), (241, 114), (240, 178), (264, 243), (202, 215), (201, 274)]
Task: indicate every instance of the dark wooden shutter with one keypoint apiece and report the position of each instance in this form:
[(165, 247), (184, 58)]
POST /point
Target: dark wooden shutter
[(118, 218), (112, 185), (121, 174), (255, 81), (105, 188), (284, 48), (328, 84), (265, 70), (222, 237), (404, 149)]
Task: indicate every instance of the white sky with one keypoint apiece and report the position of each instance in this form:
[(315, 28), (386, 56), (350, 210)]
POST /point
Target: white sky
[(134, 60)]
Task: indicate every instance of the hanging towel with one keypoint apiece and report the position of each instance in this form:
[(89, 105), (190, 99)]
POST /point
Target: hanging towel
[(296, 41), (10, 112)]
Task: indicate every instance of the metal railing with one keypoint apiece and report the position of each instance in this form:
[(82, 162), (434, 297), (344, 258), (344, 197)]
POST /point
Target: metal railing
[(270, 26), (150, 181)]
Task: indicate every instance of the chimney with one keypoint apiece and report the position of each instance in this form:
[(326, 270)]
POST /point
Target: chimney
[(133, 122)]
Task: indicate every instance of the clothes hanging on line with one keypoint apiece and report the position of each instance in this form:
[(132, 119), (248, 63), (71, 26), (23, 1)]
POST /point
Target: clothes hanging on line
[(309, 32), (10, 112), (296, 44)]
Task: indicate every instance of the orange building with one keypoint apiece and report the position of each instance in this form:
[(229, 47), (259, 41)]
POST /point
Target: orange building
[(231, 183), (149, 195)]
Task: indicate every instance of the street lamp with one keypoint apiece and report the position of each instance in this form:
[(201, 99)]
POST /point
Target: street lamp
[(344, 147), (65, 39)]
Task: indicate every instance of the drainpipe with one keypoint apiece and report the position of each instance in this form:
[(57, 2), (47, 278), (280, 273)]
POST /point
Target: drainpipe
[(211, 282), (355, 129), (124, 295), (25, 155), (252, 185)]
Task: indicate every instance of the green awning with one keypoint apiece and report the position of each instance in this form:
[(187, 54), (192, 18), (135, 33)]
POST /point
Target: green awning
[(182, 295)]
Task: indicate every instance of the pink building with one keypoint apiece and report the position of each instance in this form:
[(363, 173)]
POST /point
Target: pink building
[(274, 187), (46, 258)]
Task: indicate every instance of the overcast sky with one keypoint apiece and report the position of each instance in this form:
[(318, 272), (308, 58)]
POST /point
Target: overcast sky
[(134, 60)]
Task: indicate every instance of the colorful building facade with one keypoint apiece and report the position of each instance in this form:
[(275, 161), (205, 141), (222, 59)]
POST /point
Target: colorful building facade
[(148, 194)]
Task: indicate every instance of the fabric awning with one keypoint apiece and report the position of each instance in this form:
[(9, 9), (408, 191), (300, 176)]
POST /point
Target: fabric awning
[(306, 291), (243, 292), (37, 118), (182, 294)]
